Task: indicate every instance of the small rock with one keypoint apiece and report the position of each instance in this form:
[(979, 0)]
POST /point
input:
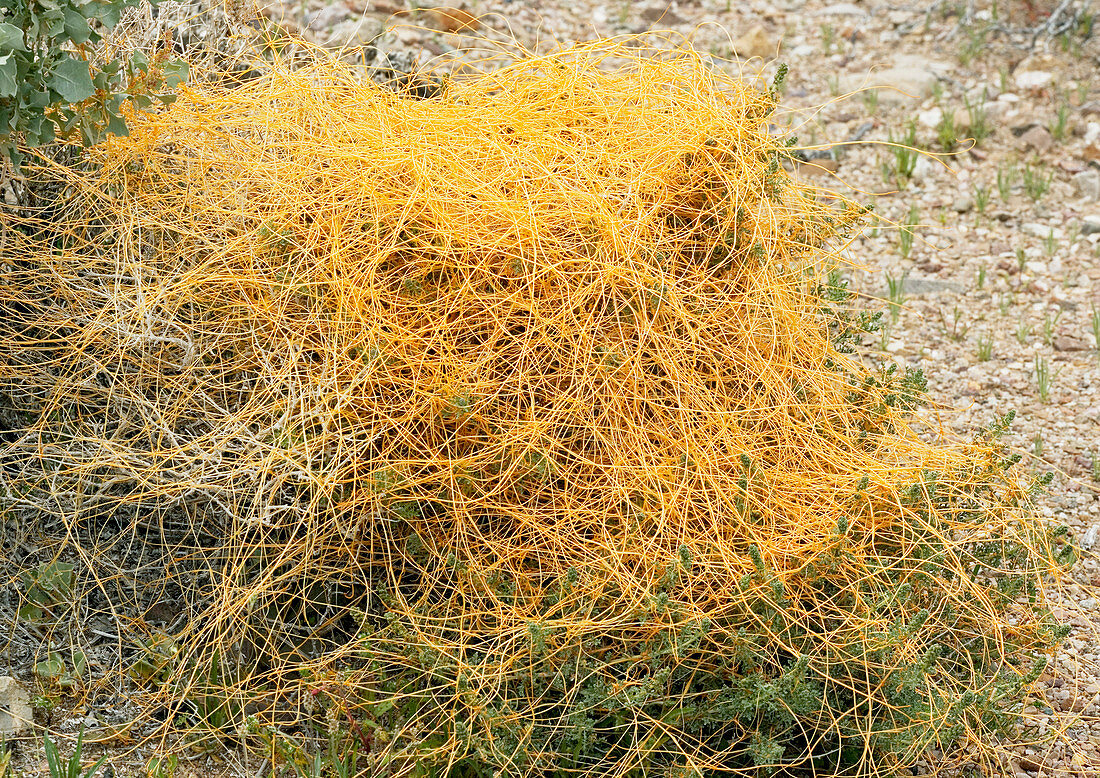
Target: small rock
[(962, 204), (1092, 133), (1087, 185), (923, 169), (1030, 763), (819, 167), (841, 9), (1021, 124), (350, 33), (1037, 138), (409, 36), (931, 118), (376, 6), (1041, 231), (660, 13), (1068, 343), (327, 17), (754, 43), (452, 20), (910, 77), (15, 710), (1090, 225), (1033, 79)]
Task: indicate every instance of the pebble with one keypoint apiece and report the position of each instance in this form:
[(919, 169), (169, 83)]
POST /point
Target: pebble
[(1042, 231), (756, 43), (931, 118), (16, 715), (1087, 185), (1091, 133), (1033, 79), (962, 204), (1037, 138), (910, 78), (841, 9)]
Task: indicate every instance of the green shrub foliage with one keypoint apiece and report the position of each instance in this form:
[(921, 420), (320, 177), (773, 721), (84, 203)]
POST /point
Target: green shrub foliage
[(51, 83)]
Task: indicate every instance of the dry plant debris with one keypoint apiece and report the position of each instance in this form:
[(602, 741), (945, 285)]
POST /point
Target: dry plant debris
[(518, 426)]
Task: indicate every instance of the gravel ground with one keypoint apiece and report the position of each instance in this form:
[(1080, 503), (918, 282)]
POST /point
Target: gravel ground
[(996, 295)]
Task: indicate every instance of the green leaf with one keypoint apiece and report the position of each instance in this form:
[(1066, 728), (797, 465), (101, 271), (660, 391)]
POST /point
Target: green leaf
[(107, 13), (76, 26), (175, 72), (8, 70), (13, 154), (11, 38), (48, 133), (50, 669), (72, 80), (30, 613), (80, 663), (138, 61), (116, 125)]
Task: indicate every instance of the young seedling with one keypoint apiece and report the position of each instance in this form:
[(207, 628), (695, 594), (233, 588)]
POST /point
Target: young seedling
[(1005, 303), (1049, 243), (1006, 179), (954, 330), (985, 347), (1044, 379), (905, 233), (980, 128), (973, 45), (981, 276), (71, 767), (904, 156), (1095, 321), (1021, 258), (162, 766), (870, 100), (1049, 326), (946, 134), (1061, 122), (981, 198), (1036, 183), (1023, 332), (895, 288)]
